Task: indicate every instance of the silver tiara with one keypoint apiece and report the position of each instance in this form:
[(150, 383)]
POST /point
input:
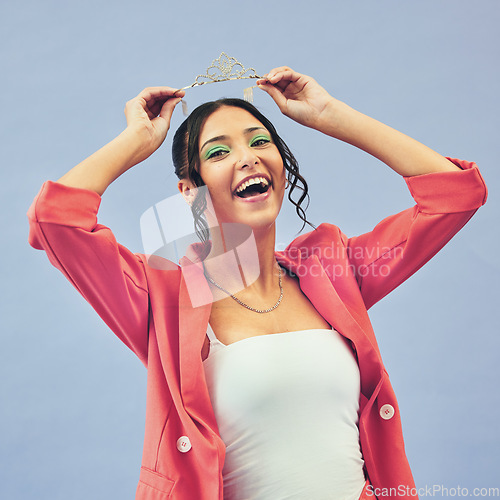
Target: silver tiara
[(223, 69)]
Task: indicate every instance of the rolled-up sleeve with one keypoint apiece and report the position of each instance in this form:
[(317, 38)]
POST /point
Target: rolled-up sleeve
[(400, 244), (63, 223)]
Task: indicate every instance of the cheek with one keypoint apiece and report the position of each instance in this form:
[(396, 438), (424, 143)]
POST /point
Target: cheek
[(219, 186), (277, 161), (281, 171)]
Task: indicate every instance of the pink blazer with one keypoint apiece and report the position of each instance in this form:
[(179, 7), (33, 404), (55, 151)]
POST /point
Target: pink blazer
[(151, 311)]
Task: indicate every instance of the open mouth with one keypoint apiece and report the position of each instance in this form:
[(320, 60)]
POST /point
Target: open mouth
[(253, 187)]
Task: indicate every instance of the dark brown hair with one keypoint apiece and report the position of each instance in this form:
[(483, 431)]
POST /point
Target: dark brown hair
[(185, 155)]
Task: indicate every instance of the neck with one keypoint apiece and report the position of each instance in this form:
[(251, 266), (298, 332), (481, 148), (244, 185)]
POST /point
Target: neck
[(241, 258)]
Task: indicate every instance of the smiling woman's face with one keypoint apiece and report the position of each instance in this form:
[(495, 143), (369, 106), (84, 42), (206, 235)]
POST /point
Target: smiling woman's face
[(242, 168)]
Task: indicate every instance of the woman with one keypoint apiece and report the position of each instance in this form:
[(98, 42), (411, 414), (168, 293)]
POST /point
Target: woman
[(306, 413)]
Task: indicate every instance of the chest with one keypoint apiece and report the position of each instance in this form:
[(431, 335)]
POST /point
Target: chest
[(232, 322)]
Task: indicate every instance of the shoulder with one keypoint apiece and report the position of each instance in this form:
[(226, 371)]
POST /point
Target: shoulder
[(314, 242), (159, 268)]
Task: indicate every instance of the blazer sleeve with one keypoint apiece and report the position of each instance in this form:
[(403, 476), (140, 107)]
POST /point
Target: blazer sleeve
[(401, 244), (63, 222)]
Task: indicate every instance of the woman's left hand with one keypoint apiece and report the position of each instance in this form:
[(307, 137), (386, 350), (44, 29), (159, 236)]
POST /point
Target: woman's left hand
[(298, 96)]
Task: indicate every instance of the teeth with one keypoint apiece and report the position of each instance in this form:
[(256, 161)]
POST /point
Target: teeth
[(255, 180)]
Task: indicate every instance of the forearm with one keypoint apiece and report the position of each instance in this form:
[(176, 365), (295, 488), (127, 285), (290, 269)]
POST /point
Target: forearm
[(100, 169), (404, 155)]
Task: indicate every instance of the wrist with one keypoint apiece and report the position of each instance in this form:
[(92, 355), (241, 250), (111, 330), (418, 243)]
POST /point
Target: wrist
[(335, 118), (136, 144)]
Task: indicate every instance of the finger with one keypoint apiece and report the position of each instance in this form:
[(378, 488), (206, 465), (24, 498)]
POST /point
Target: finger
[(275, 94), (156, 104), (160, 92), (152, 94), (281, 85), (285, 74), (274, 71), (168, 108), (153, 98)]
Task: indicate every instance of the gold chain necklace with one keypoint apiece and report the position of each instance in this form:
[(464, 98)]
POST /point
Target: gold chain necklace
[(260, 311)]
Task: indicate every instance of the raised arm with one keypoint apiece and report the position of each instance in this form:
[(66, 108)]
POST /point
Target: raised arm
[(148, 120), (301, 98), (63, 223), (446, 196)]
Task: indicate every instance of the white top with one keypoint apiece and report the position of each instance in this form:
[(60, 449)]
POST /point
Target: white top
[(286, 406)]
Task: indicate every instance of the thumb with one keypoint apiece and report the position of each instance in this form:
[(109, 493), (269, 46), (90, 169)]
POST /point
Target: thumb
[(168, 108), (276, 95)]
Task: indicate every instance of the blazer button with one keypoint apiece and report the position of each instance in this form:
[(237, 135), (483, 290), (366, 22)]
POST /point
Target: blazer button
[(183, 444), (387, 412)]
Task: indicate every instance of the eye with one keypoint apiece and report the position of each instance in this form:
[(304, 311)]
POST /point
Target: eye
[(260, 140), (216, 152)]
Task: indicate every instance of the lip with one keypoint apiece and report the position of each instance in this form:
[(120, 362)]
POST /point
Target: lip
[(257, 198), (253, 176)]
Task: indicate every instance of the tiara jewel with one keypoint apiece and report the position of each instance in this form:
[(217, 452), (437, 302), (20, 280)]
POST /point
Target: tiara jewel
[(223, 69)]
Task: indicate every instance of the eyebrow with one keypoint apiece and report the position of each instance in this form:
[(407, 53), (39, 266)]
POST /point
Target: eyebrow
[(225, 137)]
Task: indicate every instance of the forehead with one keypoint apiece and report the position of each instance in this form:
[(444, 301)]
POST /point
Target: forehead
[(227, 120)]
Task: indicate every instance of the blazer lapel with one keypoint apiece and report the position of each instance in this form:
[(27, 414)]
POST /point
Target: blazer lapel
[(195, 303)]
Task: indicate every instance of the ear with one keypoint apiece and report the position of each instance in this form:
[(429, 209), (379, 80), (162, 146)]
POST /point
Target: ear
[(188, 190)]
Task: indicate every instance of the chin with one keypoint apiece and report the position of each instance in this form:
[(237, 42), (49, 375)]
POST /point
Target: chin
[(262, 221), (257, 212)]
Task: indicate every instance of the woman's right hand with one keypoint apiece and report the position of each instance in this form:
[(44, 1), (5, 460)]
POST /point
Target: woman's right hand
[(148, 115), (148, 120)]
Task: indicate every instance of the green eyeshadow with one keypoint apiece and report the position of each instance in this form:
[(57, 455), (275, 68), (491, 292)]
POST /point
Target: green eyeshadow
[(259, 137), (215, 149)]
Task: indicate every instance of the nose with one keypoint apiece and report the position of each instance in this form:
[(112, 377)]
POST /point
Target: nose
[(246, 157)]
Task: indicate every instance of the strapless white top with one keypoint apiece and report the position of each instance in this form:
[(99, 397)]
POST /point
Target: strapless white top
[(286, 406)]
